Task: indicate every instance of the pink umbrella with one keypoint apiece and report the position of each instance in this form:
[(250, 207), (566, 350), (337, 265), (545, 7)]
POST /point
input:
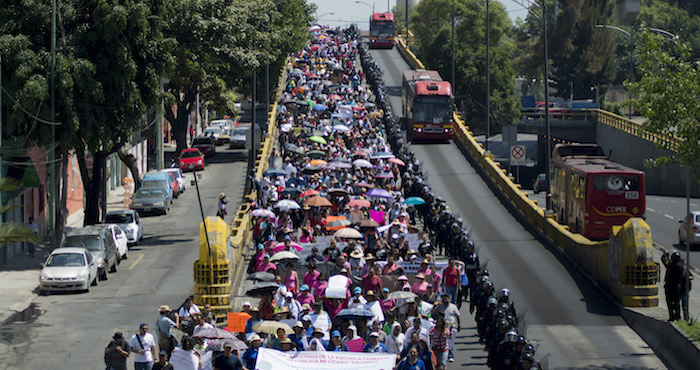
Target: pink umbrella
[(377, 216), (280, 246), (335, 97), (359, 203), (397, 161)]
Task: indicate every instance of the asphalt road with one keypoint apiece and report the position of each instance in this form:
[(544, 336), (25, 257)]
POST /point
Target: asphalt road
[(573, 325), (75, 328)]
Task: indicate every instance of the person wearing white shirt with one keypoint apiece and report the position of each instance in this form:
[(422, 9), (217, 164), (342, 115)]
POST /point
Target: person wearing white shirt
[(143, 345), (201, 324), (422, 332), (295, 307), (186, 314)]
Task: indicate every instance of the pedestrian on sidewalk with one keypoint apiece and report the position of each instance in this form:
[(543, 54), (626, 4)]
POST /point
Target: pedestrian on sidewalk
[(117, 352), (673, 281), (31, 248), (144, 347)]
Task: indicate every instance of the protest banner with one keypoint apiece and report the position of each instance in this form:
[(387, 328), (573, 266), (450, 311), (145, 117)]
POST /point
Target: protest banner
[(269, 359), (337, 287), (184, 360)]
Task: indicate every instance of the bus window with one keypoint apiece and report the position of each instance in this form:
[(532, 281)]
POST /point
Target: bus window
[(433, 110), (616, 182)]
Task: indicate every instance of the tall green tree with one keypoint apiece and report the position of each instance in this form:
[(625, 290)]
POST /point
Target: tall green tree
[(667, 95), (681, 18), (110, 57), (431, 25)]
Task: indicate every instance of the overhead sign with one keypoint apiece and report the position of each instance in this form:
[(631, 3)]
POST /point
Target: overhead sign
[(269, 359), (517, 155)]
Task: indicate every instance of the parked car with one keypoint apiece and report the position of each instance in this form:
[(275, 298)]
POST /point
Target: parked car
[(174, 183), (96, 240), (120, 240), (179, 176), (694, 228), (152, 200), (191, 160), (68, 269), (205, 144), (129, 221), (214, 132), (224, 124), (158, 180), (540, 183), (239, 136), (225, 136)]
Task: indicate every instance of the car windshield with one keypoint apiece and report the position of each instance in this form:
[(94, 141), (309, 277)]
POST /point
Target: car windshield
[(119, 218), (89, 242), (433, 110), (190, 154), (212, 130), (201, 141), (153, 184), (240, 131), (65, 260), (149, 193)]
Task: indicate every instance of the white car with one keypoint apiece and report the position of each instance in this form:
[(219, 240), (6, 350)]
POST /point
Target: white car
[(214, 132), (68, 269), (694, 229), (224, 124), (120, 240), (179, 176), (130, 221)]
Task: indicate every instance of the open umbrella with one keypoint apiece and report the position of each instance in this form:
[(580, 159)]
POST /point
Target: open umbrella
[(297, 181), (261, 276), (316, 154), (362, 203), (362, 163), (337, 165), (335, 97), (218, 344), (348, 233), (275, 172), (270, 327), (363, 185), (400, 294), (318, 139), (414, 201), (382, 155), (296, 72), (259, 289), (379, 193), (340, 159), (355, 313), (361, 153), (367, 223), (284, 256), (280, 247), (342, 222), (397, 161), (317, 201), (341, 128), (320, 107), (384, 175), (286, 204), (262, 212), (294, 149), (338, 191), (291, 191), (317, 162), (309, 193)]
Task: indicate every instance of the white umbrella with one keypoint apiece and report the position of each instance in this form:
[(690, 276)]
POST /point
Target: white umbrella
[(286, 204), (341, 128), (362, 163), (348, 233)]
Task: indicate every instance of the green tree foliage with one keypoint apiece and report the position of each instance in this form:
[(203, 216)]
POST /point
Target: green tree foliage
[(667, 95), (12, 232), (580, 54), (110, 56), (430, 23), (681, 18), (221, 42)]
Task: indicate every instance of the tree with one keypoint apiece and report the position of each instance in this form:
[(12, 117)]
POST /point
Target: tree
[(679, 17), (430, 22), (221, 43), (666, 95), (11, 232), (111, 56)]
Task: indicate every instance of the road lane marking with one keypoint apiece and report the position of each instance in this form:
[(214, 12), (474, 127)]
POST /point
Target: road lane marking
[(650, 209), (138, 259), (669, 216)]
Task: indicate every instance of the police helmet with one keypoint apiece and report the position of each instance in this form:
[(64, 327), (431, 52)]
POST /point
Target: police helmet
[(527, 356), (505, 293), (511, 336), (502, 324), (485, 272), (492, 302), (521, 340)]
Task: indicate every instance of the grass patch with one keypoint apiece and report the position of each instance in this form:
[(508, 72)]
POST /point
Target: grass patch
[(692, 328)]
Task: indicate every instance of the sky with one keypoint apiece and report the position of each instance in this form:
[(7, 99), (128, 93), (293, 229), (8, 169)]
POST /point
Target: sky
[(346, 12)]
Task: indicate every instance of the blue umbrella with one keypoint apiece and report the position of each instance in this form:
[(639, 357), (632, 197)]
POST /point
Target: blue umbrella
[(275, 172), (320, 107), (414, 201), (355, 313)]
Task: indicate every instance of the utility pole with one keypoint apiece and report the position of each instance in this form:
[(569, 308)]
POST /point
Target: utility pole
[(488, 77), (51, 165), (453, 49), (159, 134), (548, 198)]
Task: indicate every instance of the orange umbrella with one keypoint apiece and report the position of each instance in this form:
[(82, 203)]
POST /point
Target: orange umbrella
[(318, 201), (330, 219), (317, 162)]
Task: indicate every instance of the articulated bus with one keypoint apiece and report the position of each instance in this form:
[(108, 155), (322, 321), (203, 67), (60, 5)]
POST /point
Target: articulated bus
[(591, 193), (381, 30), (428, 106)]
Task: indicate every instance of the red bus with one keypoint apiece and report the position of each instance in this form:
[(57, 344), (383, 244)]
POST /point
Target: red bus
[(591, 193), (428, 105), (381, 30)]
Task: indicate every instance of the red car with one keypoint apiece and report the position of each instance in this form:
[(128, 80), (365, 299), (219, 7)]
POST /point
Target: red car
[(191, 160)]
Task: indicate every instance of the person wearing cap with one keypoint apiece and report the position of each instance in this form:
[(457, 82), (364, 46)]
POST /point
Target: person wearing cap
[(295, 308), (266, 265), (246, 307), (258, 258), (250, 356), (163, 363), (374, 346), (357, 262), (371, 281), (311, 275), (387, 304), (420, 286), (222, 206), (164, 326), (143, 345), (117, 352), (357, 299), (227, 360), (336, 344), (254, 319), (305, 295)]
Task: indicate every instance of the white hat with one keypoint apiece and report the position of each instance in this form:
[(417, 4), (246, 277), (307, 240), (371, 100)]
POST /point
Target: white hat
[(246, 303)]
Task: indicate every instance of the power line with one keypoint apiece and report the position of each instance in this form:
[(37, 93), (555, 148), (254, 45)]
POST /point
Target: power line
[(46, 122)]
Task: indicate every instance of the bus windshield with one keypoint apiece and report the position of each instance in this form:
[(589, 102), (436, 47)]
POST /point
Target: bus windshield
[(433, 110), (616, 182), (384, 29)]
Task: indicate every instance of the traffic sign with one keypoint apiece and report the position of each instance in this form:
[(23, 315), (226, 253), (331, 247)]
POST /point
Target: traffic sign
[(517, 155)]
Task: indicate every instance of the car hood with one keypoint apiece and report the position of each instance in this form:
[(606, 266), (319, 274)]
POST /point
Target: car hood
[(63, 272), (238, 137)]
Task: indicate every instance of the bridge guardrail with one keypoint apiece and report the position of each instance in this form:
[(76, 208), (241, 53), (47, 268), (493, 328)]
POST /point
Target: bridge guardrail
[(591, 256)]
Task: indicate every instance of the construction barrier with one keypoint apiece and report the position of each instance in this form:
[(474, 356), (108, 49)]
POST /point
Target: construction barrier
[(590, 256)]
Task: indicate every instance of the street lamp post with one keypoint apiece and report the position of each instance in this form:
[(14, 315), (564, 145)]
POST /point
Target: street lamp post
[(488, 77), (631, 71), (453, 49), (51, 165), (323, 15), (365, 3)]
